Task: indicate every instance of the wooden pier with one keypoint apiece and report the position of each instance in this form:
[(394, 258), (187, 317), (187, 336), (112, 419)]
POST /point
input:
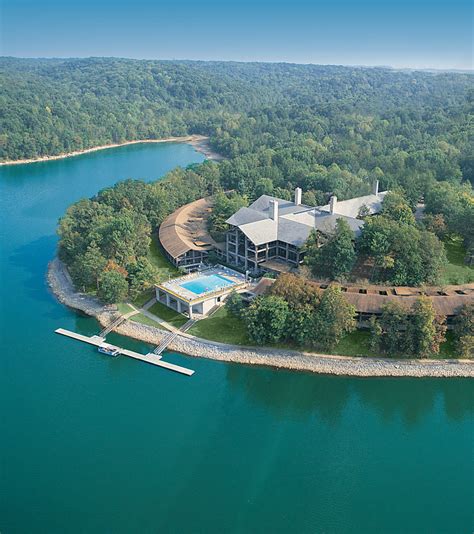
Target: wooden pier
[(154, 359)]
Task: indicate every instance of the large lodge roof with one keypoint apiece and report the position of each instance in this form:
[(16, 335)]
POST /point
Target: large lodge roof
[(186, 229), (294, 221)]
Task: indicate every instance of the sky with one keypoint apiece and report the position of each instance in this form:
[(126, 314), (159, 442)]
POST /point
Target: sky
[(398, 33)]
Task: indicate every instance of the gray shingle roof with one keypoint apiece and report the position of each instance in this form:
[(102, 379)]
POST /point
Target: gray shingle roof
[(246, 216), (295, 222), (351, 207)]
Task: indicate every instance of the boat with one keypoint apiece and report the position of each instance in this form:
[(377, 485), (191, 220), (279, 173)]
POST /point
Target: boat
[(109, 350)]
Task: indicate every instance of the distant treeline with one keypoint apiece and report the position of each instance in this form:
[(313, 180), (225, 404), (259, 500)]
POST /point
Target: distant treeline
[(327, 129)]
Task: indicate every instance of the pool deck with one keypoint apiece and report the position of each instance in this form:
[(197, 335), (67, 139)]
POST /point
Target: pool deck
[(151, 358), (175, 287)]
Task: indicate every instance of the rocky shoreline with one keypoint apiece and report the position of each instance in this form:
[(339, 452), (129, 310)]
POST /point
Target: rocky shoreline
[(61, 285)]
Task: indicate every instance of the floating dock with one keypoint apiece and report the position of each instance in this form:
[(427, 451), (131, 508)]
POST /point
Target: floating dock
[(152, 358)]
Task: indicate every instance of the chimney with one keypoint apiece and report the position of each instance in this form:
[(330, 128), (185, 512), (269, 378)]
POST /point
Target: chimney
[(274, 210), (332, 204), (298, 196), (375, 188)]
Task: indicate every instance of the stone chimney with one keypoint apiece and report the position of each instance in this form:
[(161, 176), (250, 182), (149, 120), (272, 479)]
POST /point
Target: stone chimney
[(274, 210), (375, 188), (332, 204), (298, 196)]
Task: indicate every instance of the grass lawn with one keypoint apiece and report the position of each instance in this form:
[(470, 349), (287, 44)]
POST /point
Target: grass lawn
[(143, 319), (167, 314), (159, 260), (357, 343), (226, 328), (223, 327), (124, 308), (456, 272), (144, 297)]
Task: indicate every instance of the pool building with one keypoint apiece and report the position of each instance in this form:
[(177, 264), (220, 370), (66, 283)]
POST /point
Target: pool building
[(200, 292)]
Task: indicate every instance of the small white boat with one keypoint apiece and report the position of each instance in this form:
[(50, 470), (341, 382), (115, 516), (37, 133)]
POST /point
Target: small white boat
[(109, 350)]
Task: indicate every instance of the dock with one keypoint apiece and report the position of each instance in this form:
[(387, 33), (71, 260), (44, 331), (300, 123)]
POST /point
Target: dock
[(154, 359)]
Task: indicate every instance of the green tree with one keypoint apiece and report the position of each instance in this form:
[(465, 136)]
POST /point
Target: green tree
[(336, 258), (389, 332), (266, 319), (235, 304), (142, 275), (464, 331), (333, 318), (113, 287), (88, 267), (425, 331), (396, 208)]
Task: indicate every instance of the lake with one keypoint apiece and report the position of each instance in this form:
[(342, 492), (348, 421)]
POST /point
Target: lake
[(90, 444)]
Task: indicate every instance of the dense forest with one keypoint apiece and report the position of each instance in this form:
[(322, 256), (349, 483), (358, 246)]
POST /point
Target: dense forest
[(328, 129)]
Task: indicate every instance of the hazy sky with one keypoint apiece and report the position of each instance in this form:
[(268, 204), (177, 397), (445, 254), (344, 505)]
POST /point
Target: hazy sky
[(401, 33)]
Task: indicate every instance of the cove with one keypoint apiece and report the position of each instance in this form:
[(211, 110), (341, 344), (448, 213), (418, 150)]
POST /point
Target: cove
[(88, 444)]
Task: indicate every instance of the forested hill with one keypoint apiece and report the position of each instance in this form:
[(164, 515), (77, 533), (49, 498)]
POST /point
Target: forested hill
[(353, 117)]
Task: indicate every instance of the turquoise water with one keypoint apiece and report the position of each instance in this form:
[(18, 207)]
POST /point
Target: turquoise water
[(204, 284), (90, 443)]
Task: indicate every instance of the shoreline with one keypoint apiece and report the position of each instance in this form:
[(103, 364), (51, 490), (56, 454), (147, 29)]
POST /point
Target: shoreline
[(61, 286), (199, 142)]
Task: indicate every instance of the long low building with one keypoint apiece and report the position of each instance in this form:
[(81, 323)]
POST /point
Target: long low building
[(369, 300), (184, 235)]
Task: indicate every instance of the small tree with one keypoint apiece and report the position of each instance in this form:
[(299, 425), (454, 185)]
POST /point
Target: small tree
[(464, 331), (113, 287), (141, 274), (266, 318), (333, 318), (389, 332), (425, 331), (235, 304)]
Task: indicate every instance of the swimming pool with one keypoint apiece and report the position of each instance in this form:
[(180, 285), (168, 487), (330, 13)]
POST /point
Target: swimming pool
[(206, 284)]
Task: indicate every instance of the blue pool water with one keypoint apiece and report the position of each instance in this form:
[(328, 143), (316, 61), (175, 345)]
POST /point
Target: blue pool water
[(204, 284)]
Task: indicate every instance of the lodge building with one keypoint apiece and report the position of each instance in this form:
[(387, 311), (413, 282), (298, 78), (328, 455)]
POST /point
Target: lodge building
[(271, 233)]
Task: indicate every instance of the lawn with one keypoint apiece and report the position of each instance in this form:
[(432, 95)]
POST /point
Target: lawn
[(124, 308), (223, 327), (456, 272), (167, 314), (144, 297), (143, 319), (226, 328), (159, 260)]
